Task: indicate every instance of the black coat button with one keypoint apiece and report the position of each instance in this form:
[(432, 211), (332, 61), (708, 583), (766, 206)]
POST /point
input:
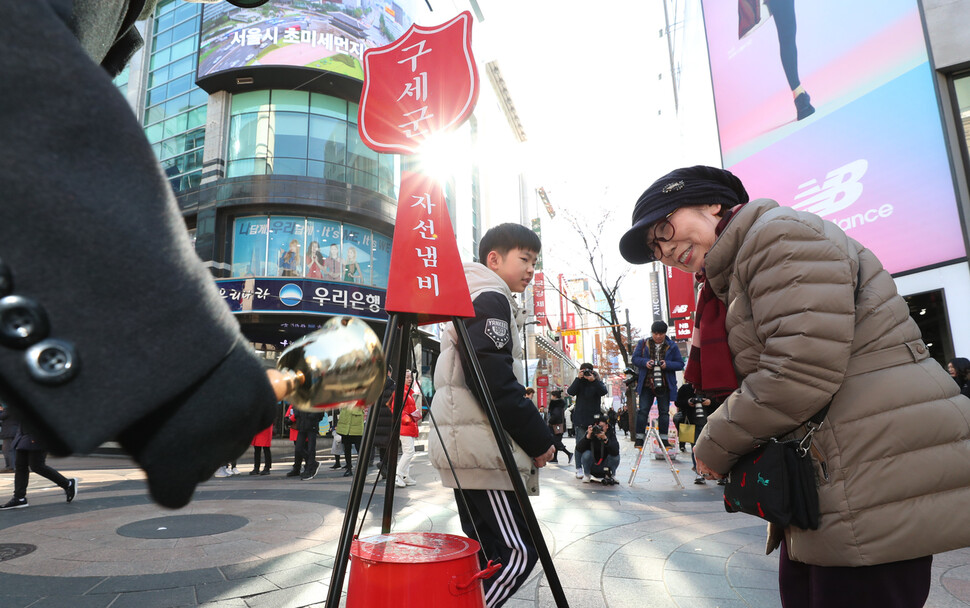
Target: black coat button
[(52, 361), (6, 280), (22, 322)]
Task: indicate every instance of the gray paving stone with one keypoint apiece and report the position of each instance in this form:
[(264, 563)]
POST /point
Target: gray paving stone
[(40, 586), (85, 601), (148, 582), (166, 598), (293, 577), (690, 561), (709, 602), (17, 601), (265, 566), (229, 589), (233, 603), (629, 593), (760, 598), (310, 594), (748, 577), (693, 584), (588, 551), (707, 547), (754, 561), (636, 567)]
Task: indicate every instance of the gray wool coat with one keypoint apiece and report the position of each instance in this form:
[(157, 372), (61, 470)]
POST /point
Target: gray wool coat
[(93, 249)]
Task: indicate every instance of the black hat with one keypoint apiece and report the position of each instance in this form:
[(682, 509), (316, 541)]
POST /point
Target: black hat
[(658, 327), (697, 185)]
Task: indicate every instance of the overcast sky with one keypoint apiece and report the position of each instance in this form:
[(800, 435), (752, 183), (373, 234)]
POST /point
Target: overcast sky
[(593, 90)]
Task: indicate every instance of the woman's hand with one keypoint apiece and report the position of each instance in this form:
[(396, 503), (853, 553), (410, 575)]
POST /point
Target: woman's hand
[(706, 472)]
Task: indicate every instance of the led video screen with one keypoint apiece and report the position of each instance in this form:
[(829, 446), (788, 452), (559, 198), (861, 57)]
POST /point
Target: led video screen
[(830, 107), (322, 35)]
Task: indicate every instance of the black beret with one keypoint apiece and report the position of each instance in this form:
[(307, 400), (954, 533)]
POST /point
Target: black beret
[(699, 185)]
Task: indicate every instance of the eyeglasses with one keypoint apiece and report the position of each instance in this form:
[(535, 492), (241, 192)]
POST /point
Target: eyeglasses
[(663, 231)]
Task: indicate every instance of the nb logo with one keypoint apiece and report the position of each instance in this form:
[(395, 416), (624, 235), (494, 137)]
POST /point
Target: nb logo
[(840, 189), (681, 308)]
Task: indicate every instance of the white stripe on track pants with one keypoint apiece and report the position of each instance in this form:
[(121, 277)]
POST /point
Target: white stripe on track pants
[(504, 537)]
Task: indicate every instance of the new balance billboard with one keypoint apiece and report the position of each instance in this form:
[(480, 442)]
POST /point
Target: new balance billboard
[(840, 120)]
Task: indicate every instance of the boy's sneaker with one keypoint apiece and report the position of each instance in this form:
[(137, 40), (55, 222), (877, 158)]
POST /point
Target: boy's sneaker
[(579, 474), (222, 472), (408, 481), (15, 503), (399, 482), (293, 473), (234, 471), (699, 480), (586, 478), (71, 489)]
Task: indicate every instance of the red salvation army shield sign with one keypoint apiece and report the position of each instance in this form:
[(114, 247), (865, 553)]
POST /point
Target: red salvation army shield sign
[(422, 83)]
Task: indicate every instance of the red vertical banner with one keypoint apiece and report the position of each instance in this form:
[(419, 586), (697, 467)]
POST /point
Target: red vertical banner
[(426, 275), (539, 297), (542, 397), (571, 324), (680, 293)]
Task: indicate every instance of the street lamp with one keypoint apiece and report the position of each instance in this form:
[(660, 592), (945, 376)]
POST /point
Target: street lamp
[(525, 350)]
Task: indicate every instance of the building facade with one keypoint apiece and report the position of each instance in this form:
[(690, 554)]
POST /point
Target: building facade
[(253, 116)]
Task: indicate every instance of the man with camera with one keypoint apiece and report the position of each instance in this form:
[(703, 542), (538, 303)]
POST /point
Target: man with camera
[(659, 360), (694, 408), (599, 451), (588, 389)]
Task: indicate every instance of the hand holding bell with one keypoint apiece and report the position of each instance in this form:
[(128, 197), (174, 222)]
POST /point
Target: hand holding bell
[(339, 365)]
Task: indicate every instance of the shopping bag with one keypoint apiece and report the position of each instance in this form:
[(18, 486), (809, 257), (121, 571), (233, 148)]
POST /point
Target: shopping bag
[(686, 432)]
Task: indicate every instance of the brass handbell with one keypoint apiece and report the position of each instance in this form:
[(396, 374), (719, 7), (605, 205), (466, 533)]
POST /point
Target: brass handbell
[(339, 365)]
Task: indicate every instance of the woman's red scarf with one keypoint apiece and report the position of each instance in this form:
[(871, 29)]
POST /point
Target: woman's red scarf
[(710, 367)]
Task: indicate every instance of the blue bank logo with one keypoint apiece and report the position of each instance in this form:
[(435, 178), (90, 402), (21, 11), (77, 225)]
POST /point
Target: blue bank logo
[(291, 294)]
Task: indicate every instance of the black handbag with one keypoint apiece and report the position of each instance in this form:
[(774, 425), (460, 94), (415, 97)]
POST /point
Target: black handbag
[(777, 483)]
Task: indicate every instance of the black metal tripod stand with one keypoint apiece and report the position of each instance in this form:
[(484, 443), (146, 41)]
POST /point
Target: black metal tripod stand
[(396, 338)]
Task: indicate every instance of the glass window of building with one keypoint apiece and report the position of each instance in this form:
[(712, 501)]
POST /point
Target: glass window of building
[(961, 84), (310, 247), (296, 133), (174, 107)]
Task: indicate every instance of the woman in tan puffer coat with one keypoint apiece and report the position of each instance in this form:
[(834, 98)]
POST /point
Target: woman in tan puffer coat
[(811, 318)]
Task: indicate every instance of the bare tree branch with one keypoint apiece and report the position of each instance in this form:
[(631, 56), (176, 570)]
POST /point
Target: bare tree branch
[(591, 238)]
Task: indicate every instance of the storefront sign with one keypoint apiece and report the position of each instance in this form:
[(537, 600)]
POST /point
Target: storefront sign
[(290, 294), (423, 83), (655, 305), (680, 293), (542, 380), (539, 297), (684, 328)]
